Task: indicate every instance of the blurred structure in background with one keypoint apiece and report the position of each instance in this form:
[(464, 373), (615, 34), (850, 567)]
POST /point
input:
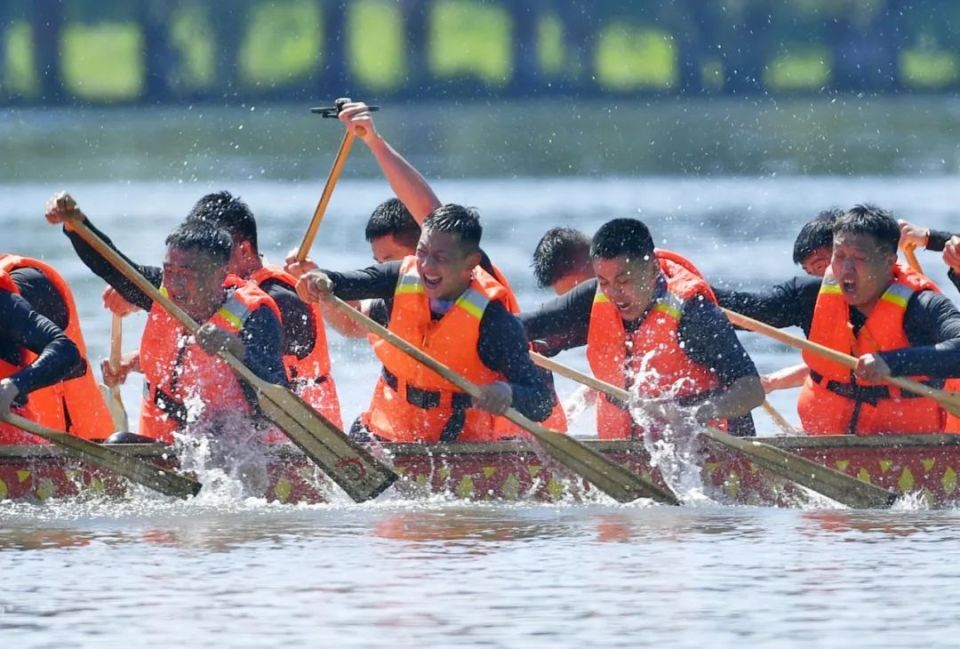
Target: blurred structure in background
[(172, 51)]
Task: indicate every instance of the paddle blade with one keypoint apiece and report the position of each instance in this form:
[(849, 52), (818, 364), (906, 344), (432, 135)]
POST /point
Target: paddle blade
[(165, 481), (828, 482), (348, 463), (611, 478)]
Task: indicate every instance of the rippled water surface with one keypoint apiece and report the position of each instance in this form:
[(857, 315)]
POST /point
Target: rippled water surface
[(221, 571)]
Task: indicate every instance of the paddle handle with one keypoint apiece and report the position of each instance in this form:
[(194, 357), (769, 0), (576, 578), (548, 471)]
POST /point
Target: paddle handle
[(338, 163), (781, 421), (117, 411), (948, 400), (590, 381), (910, 252)]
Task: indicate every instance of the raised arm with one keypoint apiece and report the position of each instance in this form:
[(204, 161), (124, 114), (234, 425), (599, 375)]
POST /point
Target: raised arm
[(407, 183)]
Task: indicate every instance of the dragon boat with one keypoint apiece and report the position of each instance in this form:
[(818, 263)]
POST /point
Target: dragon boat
[(925, 466)]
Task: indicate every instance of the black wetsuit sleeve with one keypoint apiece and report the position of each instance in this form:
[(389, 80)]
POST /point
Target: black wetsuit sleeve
[(57, 356), (937, 240), (789, 304), (932, 326), (42, 295), (262, 338), (105, 270), (708, 339), (299, 332), (562, 323), (503, 348), (379, 281), (954, 278)]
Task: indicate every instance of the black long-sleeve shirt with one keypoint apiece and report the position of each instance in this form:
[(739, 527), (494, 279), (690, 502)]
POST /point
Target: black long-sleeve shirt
[(57, 356), (703, 333), (936, 242), (502, 346), (261, 335), (931, 323)]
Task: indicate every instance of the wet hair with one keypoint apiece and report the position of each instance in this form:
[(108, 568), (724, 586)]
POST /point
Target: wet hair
[(815, 234), (629, 237), (873, 221), (205, 237), (559, 252), (457, 219), (227, 211), (392, 218)]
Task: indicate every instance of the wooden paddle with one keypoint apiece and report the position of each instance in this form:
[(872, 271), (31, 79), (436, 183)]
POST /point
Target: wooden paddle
[(781, 421), (345, 145), (608, 476), (949, 400), (165, 481), (348, 463), (338, 163), (833, 484), (112, 394)]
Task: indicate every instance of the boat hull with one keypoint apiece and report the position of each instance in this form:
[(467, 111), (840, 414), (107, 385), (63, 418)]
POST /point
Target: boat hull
[(925, 465)]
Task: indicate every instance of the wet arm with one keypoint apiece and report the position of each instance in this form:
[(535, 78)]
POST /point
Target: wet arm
[(57, 356), (262, 337), (407, 183), (299, 333), (563, 322), (503, 348), (789, 304), (379, 281), (932, 325), (708, 339), (105, 270)]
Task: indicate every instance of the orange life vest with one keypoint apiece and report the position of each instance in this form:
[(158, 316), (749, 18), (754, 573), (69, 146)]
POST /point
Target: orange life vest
[(310, 376), (832, 401), (75, 405), (9, 434), (650, 356), (412, 403), (183, 382)]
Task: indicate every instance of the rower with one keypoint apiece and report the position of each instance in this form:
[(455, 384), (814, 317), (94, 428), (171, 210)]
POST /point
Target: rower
[(186, 382), (74, 405), (812, 250), (419, 198), (869, 306), (407, 183), (561, 262), (441, 301), (34, 353), (650, 326), (561, 259), (305, 352)]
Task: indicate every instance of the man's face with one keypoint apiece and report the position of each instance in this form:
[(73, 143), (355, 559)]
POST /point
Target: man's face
[(387, 248), (194, 281), (817, 262), (629, 283), (443, 266), (862, 269)]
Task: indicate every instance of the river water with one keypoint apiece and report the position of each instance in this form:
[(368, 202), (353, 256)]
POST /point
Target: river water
[(726, 184)]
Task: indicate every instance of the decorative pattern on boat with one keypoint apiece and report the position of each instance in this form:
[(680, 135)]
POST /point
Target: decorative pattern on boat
[(927, 465)]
